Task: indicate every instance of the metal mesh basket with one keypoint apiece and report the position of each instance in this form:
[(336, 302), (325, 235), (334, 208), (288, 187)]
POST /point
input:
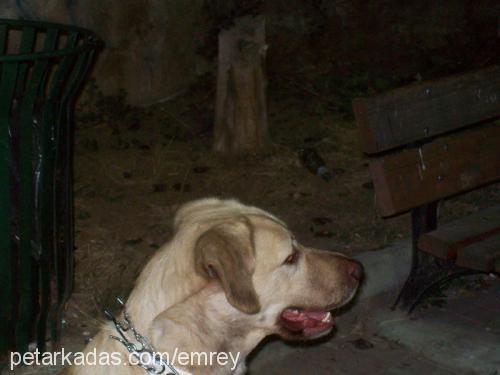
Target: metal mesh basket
[(42, 66)]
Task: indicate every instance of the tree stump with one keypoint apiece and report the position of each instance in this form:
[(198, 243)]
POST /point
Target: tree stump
[(241, 105)]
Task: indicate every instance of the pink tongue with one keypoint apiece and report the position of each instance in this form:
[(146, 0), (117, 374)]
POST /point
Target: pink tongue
[(308, 322), (301, 315)]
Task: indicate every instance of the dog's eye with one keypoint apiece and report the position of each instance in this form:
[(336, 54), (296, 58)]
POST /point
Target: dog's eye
[(292, 258)]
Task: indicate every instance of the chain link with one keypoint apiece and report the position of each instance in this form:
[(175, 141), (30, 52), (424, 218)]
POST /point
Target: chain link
[(156, 364)]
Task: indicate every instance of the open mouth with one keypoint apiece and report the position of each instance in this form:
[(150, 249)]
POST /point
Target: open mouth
[(307, 322)]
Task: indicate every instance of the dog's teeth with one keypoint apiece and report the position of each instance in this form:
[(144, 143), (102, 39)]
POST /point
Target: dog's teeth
[(327, 318)]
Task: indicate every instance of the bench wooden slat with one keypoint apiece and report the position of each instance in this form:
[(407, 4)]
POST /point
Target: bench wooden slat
[(410, 114), (447, 166), (448, 240), (480, 256)]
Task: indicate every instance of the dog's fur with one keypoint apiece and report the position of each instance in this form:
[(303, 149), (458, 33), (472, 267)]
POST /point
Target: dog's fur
[(222, 283)]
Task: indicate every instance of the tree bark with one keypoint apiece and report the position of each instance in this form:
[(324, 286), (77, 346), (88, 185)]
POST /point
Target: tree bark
[(241, 105)]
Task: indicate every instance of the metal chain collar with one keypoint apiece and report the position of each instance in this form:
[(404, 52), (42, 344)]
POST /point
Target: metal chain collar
[(156, 365)]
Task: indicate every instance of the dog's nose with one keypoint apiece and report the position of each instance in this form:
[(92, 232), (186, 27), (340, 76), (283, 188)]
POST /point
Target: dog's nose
[(355, 270)]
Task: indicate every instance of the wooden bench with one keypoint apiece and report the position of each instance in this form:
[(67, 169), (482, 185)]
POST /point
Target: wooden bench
[(428, 142)]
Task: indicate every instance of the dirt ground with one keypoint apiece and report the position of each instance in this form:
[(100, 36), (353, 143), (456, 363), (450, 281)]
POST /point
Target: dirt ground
[(134, 167)]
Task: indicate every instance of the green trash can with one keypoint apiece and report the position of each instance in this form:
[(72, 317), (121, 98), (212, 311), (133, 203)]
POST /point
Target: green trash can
[(42, 66)]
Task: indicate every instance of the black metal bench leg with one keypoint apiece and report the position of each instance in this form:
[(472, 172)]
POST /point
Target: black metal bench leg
[(423, 220), (427, 272)]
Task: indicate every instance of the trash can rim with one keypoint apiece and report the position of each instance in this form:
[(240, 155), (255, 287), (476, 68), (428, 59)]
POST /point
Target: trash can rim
[(91, 40)]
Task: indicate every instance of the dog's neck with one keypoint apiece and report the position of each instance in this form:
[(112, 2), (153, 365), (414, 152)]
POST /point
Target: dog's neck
[(158, 287), (207, 325)]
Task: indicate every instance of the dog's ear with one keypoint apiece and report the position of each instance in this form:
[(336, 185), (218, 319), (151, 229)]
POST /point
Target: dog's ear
[(226, 252)]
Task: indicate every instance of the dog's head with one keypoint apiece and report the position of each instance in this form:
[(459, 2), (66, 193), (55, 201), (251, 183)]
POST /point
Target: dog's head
[(265, 273)]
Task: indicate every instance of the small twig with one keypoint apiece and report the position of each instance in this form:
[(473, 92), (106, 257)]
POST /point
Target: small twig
[(91, 319), (184, 180), (311, 92), (182, 123)]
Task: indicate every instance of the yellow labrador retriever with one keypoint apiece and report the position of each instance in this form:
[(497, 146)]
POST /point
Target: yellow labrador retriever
[(230, 276)]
